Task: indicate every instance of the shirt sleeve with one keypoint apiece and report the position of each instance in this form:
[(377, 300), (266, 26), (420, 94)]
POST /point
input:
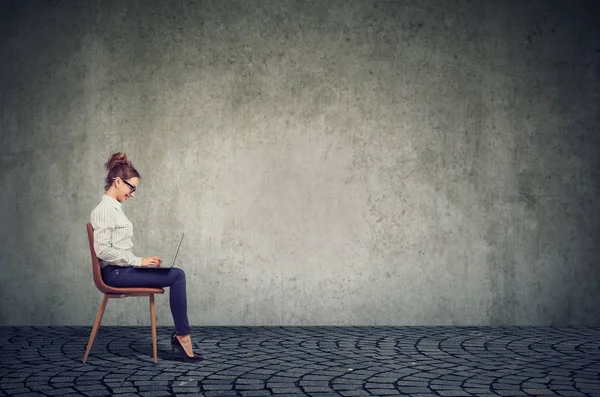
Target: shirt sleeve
[(104, 225)]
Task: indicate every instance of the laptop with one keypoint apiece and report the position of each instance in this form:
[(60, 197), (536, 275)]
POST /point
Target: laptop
[(174, 256), (177, 250)]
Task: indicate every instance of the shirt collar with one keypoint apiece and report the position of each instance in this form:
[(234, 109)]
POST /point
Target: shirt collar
[(111, 201)]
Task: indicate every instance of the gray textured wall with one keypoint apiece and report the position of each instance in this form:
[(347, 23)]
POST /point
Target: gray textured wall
[(332, 162)]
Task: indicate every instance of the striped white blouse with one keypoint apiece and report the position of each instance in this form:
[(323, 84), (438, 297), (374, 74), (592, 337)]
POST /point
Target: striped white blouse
[(113, 234)]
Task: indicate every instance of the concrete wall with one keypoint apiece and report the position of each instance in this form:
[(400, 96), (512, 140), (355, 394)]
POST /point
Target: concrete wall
[(331, 162)]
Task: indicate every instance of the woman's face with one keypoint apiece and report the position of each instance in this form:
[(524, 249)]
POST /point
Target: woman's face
[(126, 188)]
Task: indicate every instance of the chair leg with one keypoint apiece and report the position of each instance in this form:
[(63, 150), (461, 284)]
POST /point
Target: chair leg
[(153, 324), (96, 327)]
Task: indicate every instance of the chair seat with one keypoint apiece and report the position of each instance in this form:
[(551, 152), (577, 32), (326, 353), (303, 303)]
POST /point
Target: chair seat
[(136, 291)]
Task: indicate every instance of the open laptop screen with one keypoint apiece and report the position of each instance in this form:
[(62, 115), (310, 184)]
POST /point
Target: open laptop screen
[(172, 263)]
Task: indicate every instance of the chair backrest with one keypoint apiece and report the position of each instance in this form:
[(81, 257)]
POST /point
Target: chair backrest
[(96, 266)]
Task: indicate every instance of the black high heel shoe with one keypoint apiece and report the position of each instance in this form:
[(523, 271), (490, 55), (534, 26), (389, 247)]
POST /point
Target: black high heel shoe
[(176, 345)]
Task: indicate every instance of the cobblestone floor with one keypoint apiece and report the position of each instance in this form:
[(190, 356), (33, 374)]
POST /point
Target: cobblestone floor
[(305, 361)]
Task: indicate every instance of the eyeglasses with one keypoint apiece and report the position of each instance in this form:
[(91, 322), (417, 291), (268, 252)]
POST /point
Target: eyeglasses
[(133, 188)]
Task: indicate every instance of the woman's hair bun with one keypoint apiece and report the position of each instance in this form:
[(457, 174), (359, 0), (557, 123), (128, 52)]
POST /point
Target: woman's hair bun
[(117, 159), (119, 167)]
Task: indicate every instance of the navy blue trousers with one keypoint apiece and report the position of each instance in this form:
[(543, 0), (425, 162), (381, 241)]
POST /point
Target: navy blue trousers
[(174, 278)]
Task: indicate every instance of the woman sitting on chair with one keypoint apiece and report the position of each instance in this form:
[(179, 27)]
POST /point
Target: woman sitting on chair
[(113, 234)]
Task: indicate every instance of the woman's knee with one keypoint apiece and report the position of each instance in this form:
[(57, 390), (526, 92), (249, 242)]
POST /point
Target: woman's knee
[(178, 274)]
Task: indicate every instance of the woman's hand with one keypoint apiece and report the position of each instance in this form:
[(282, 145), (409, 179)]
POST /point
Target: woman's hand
[(151, 261)]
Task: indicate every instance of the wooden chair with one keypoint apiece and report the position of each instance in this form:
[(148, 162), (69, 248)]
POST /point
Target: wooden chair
[(111, 292)]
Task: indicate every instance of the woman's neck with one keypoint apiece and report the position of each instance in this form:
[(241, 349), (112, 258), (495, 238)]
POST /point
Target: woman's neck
[(112, 192)]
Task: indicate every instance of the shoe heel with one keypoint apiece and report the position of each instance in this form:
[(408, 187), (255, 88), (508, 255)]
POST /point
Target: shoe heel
[(176, 345)]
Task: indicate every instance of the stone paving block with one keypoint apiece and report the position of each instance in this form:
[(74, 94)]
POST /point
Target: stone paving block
[(538, 391), (510, 393), (287, 390), (588, 384), (8, 379), (116, 378), (122, 390), (570, 393), (402, 383), (453, 393), (384, 392), (354, 393), (38, 378), (430, 394), (323, 394), (317, 389), (18, 391), (179, 390), (154, 387), (154, 393), (189, 395), (425, 375), (139, 383), (530, 385), (413, 390), (561, 386), (86, 388), (442, 383), (344, 387), (217, 379), (221, 393), (255, 393), (59, 392), (113, 384), (379, 386), (139, 378), (314, 383), (12, 385), (217, 386), (477, 391), (39, 386), (504, 386), (62, 385), (95, 393), (185, 383)]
